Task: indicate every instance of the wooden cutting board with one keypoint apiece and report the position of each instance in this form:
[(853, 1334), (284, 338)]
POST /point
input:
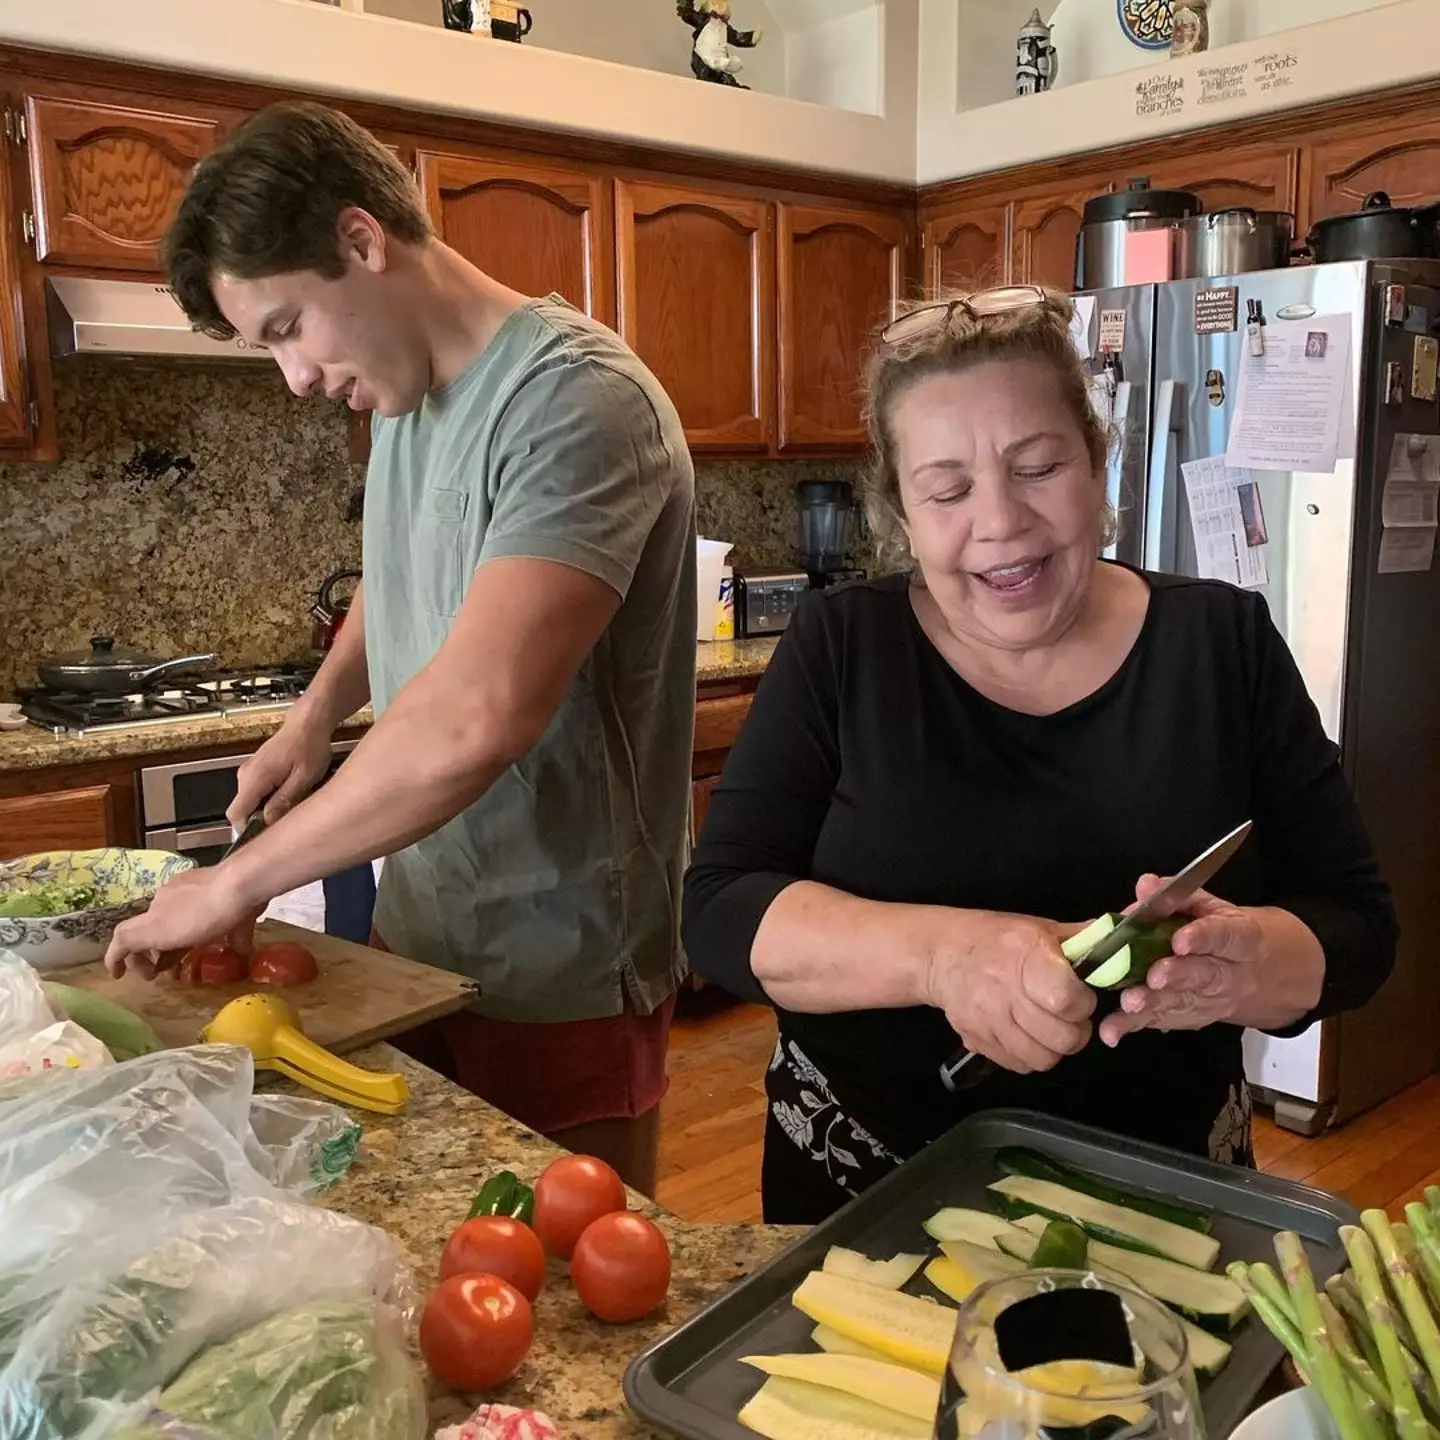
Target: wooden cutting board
[(361, 995)]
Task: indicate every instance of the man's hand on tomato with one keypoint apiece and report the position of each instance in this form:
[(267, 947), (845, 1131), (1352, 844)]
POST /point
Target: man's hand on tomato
[(194, 907), (1235, 964)]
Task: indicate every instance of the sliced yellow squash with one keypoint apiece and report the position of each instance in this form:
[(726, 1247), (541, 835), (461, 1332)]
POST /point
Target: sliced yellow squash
[(901, 1327), (834, 1343), (963, 1266), (882, 1382), (886, 1274), (784, 1409)]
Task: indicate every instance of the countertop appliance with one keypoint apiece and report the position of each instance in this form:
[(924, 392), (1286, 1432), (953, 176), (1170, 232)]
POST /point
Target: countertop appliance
[(766, 599), (828, 525), (222, 692), (1108, 219), (1366, 642)]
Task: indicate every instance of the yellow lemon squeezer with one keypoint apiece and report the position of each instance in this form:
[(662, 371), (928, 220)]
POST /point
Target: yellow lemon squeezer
[(270, 1030)]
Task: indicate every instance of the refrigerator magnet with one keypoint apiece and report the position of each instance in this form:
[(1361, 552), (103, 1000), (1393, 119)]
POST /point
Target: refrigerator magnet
[(1394, 304), (1427, 363), (1394, 383), (1217, 310)]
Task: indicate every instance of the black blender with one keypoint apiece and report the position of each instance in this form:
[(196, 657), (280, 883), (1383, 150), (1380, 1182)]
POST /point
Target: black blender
[(828, 524)]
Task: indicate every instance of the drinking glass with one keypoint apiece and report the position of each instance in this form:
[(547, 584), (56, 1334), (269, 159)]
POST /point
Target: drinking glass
[(1153, 1398)]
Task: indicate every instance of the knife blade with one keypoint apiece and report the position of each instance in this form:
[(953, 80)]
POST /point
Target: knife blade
[(1180, 887), (253, 826), (1192, 878)]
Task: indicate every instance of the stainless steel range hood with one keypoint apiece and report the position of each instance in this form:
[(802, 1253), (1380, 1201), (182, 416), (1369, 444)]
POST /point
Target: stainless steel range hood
[(130, 317)]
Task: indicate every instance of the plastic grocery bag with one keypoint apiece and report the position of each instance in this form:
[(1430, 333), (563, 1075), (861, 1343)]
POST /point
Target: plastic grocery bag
[(33, 1039), (145, 1216)]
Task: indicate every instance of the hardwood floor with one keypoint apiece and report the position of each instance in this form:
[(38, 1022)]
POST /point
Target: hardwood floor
[(713, 1117)]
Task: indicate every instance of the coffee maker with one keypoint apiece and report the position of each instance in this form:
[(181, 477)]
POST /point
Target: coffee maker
[(829, 524)]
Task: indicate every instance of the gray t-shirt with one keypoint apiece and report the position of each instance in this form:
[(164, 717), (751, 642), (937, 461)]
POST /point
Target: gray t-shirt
[(559, 889)]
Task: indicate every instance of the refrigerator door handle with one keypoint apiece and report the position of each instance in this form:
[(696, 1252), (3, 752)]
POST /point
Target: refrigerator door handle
[(1115, 476), (1156, 488)]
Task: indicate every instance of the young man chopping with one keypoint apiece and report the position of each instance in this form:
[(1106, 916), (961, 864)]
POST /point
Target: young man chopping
[(524, 631)]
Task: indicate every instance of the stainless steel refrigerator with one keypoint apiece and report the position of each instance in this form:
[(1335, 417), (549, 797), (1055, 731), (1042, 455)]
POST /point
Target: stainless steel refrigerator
[(1166, 361)]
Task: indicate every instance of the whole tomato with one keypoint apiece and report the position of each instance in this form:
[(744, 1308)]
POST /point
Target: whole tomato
[(496, 1245), (213, 964), (570, 1193), (283, 962), (621, 1267), (475, 1331)]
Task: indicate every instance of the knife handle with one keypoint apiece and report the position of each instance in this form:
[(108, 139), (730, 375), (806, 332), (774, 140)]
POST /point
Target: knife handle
[(965, 1069)]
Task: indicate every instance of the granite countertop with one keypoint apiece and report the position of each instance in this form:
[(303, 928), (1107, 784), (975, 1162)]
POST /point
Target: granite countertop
[(35, 749), (418, 1174)]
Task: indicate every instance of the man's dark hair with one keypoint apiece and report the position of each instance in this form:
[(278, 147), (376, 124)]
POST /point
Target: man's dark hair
[(268, 200)]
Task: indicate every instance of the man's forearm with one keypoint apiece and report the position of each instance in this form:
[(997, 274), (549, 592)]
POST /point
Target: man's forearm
[(342, 684)]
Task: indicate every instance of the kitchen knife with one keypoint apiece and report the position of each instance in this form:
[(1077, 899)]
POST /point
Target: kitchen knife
[(1192, 878), (253, 826)]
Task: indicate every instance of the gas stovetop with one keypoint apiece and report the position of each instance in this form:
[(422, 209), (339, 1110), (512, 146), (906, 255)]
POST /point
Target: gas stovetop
[(222, 692)]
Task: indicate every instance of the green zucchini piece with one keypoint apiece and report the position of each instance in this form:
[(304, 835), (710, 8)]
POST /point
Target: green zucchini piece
[(1209, 1299), (1017, 1160), (123, 1033), (1208, 1352), (978, 1227), (1078, 946), (1062, 1247), (1018, 1195), (1128, 965)]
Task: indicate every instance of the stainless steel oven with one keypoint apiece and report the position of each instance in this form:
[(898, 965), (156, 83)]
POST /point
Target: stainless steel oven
[(182, 807)]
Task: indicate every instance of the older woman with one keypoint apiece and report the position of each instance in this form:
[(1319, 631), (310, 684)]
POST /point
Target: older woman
[(950, 769)]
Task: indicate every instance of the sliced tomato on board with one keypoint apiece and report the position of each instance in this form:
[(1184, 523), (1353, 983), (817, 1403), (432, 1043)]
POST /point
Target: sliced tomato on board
[(214, 963), (283, 962)]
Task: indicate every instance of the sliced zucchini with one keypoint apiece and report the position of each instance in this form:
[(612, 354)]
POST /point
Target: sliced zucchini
[(1016, 1160), (1131, 963), (901, 1327), (1061, 1246), (963, 1267), (1077, 947), (887, 1274), (895, 1387), (784, 1409), (832, 1342), (1018, 1195), (979, 1227), (1214, 1301)]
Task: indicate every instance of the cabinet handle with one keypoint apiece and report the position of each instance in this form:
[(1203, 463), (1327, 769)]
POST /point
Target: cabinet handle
[(27, 226), (15, 129)]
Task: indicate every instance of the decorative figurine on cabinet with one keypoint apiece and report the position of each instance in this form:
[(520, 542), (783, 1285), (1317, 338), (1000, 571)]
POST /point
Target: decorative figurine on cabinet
[(1190, 27), (1036, 63), (471, 16), (710, 57)]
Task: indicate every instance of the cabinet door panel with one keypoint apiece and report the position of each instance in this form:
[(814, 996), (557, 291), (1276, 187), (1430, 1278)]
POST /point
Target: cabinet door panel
[(697, 304), (15, 427), (1044, 229), (967, 250), (107, 179), (1263, 178), (1402, 159), (535, 227), (63, 820), (840, 276)]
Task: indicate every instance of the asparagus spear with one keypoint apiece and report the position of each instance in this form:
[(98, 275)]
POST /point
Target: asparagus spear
[(1356, 1366), (1323, 1363), (1409, 1422), (1406, 1285), (1276, 1313), (1432, 1200), (1340, 1289), (1427, 1242)]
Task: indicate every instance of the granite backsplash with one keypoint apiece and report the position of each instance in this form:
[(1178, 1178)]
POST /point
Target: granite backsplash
[(199, 508)]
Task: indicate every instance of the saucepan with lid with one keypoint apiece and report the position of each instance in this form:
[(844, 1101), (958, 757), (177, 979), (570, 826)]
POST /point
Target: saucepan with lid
[(1377, 231), (110, 669)]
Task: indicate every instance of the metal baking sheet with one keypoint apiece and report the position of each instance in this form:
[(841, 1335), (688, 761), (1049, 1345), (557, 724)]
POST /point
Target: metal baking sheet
[(692, 1384)]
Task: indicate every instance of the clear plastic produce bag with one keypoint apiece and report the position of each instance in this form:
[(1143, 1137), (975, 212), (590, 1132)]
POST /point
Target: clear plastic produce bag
[(153, 1209), (34, 1041)]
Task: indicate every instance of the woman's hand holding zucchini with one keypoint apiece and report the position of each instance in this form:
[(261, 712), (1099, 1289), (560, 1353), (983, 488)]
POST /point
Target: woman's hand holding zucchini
[(1007, 990), (1258, 966)]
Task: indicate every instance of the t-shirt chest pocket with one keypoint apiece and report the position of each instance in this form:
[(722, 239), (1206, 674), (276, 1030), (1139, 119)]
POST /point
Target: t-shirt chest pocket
[(439, 558)]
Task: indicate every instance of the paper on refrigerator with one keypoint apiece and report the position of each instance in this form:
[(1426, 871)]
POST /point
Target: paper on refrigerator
[(1290, 407), (1227, 521), (1082, 321), (1410, 505)]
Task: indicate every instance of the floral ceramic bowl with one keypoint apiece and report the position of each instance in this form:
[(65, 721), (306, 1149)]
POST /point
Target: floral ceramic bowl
[(123, 883)]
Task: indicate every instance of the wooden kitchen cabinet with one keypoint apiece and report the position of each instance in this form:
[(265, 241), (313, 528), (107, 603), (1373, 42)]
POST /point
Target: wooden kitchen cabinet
[(535, 226), (1265, 178), (1043, 231), (61, 820), (966, 249), (697, 304), (1347, 164), (16, 427), (841, 272), (106, 179)]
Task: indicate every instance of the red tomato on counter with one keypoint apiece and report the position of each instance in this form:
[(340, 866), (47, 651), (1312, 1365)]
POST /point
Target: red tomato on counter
[(496, 1245), (570, 1193), (475, 1331), (621, 1267), (283, 962)]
